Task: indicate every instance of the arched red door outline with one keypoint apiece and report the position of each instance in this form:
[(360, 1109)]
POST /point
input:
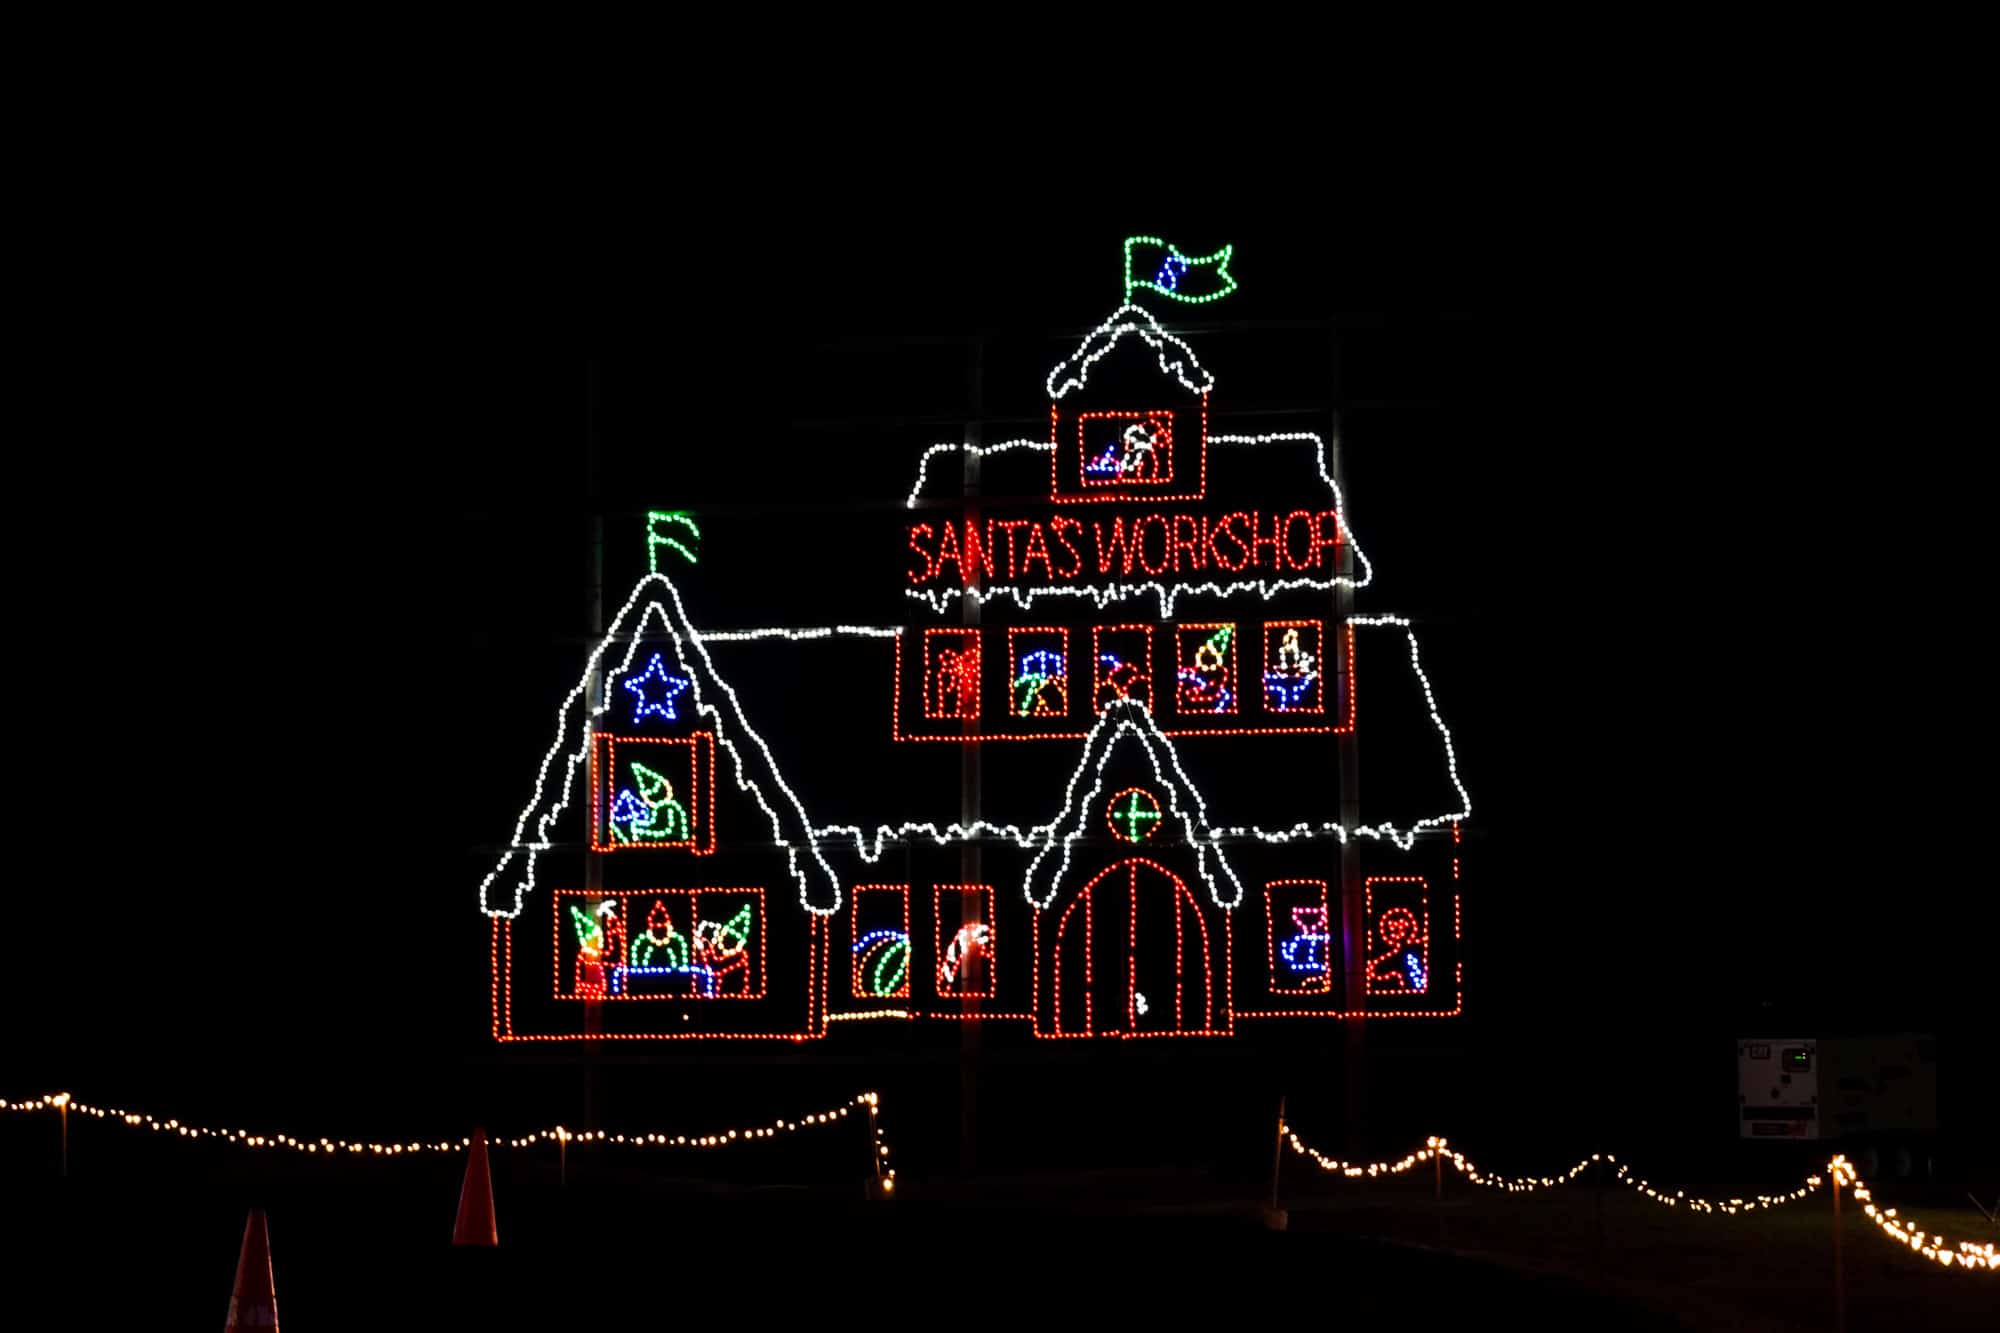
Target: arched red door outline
[(1161, 978)]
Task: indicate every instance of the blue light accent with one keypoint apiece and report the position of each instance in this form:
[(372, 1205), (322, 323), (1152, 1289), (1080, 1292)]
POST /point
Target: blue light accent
[(1045, 662), (655, 669), (872, 936), (702, 971), (1413, 967), (1108, 464), (629, 809), (1284, 690), (1170, 272), (1315, 963)]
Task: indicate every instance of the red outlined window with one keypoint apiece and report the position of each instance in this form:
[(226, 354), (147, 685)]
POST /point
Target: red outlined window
[(964, 940), (879, 942), (1399, 948), (1121, 665), (1125, 449), (1038, 672), (1295, 666), (652, 793), (1205, 678), (1166, 459), (951, 674), (660, 944), (1298, 936)]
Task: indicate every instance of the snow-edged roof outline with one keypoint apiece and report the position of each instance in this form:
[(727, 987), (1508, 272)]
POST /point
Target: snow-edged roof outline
[(1176, 358), (693, 657), (870, 847), (1124, 718), (943, 600)]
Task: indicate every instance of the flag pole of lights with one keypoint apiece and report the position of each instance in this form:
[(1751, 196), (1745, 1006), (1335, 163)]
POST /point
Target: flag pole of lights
[(1964, 1255), (871, 1101)]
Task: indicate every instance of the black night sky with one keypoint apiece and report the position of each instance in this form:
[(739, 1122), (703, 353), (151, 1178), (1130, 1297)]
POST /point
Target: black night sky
[(1681, 545)]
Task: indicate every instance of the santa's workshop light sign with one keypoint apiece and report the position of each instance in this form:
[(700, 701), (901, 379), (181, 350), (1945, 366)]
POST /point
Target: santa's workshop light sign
[(1176, 594)]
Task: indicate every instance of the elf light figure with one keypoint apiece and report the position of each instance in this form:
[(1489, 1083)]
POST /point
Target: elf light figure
[(652, 815), (599, 937), (1204, 685)]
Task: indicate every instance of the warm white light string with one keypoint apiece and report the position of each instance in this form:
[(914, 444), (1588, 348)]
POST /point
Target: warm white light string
[(871, 846), (1965, 1254), (942, 600), (62, 1101), (1098, 344)]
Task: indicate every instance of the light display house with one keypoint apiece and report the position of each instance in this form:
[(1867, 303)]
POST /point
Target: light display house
[(1153, 621)]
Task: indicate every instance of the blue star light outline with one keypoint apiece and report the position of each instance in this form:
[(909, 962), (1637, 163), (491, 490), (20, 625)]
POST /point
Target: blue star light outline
[(642, 705)]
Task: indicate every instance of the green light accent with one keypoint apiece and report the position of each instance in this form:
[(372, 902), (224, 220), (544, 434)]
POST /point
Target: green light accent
[(898, 953), (738, 926), (1030, 686), (669, 823), (652, 786), (1220, 259), (656, 539), (674, 948), (1219, 641), (668, 818), (588, 933), (1132, 815)]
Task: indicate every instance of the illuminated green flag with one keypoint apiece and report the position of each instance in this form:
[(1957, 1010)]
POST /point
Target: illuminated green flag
[(659, 526), (1152, 265)]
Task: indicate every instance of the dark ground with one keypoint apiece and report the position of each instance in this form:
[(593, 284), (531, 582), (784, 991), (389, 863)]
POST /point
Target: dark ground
[(145, 1234)]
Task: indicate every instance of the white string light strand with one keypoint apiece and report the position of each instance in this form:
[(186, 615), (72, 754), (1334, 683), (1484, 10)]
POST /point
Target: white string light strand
[(247, 1139), (798, 635), (976, 450), (1176, 358), (1965, 1254)]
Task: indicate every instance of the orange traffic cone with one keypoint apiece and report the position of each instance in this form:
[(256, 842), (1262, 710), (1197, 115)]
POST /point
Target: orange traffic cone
[(254, 1303), (475, 1202)]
